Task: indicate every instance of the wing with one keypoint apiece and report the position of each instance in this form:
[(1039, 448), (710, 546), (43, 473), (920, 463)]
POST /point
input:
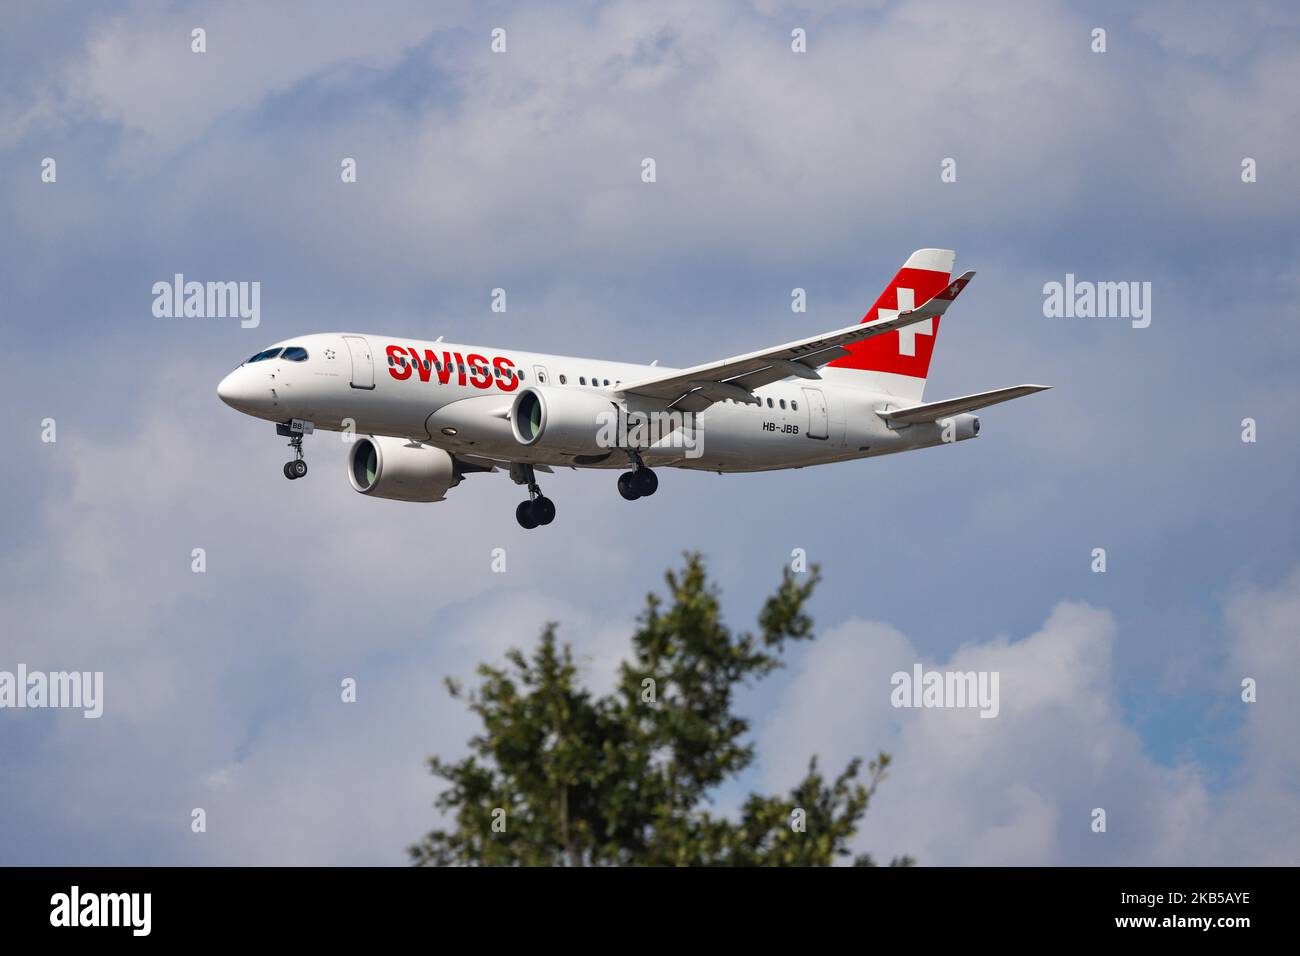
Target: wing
[(955, 406), (695, 389)]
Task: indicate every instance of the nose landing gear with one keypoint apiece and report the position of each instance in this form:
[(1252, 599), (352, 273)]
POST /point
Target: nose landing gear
[(538, 509), (295, 469), (298, 467)]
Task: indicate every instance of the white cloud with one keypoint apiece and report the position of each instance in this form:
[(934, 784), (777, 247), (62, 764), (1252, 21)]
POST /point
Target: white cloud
[(1019, 789), (535, 154), (138, 69)]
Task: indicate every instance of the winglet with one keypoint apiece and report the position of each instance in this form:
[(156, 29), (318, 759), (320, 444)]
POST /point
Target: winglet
[(939, 302)]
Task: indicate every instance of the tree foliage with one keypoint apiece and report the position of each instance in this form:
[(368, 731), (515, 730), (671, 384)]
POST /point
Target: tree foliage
[(559, 777)]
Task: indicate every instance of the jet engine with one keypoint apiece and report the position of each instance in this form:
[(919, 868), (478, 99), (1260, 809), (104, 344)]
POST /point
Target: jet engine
[(403, 470), (568, 420)]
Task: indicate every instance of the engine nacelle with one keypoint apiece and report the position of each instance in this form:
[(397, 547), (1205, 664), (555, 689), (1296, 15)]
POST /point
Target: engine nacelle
[(399, 469), (572, 421)]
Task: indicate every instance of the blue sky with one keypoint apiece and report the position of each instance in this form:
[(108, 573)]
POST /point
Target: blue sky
[(775, 170)]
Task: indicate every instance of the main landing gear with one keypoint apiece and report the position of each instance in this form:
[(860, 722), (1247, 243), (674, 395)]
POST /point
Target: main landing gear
[(640, 482), (298, 467), (538, 509)]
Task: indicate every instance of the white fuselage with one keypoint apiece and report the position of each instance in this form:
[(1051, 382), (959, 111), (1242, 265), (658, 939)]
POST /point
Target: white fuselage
[(458, 398)]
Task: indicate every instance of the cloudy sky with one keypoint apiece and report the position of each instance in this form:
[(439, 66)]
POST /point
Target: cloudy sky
[(776, 170)]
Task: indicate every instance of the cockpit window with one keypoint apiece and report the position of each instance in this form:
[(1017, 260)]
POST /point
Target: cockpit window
[(295, 353), (263, 356)]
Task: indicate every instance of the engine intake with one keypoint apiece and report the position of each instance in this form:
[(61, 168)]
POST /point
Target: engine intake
[(570, 421), (402, 470)]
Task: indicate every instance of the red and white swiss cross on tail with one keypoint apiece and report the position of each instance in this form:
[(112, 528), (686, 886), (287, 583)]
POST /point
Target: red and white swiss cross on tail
[(899, 361)]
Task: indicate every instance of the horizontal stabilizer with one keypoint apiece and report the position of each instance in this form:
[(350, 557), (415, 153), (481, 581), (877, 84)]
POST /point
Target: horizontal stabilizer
[(933, 411)]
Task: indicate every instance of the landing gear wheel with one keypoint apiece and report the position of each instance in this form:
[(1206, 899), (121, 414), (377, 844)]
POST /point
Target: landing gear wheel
[(524, 515), (627, 486), (645, 482), (298, 467), (538, 509), (543, 510)]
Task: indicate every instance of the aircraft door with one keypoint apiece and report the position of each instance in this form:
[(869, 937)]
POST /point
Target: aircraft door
[(363, 366), (815, 402)]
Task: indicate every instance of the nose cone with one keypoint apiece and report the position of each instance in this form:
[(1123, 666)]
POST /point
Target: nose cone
[(238, 390), (226, 389)]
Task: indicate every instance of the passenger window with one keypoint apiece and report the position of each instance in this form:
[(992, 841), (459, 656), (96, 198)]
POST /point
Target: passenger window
[(295, 353), (769, 403), (582, 380), (606, 383), (564, 380), (783, 404), (794, 406)]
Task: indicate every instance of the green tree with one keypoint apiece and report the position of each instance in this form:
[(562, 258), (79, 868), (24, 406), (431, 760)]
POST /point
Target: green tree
[(559, 777)]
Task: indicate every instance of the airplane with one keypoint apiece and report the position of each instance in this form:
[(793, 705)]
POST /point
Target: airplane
[(421, 416)]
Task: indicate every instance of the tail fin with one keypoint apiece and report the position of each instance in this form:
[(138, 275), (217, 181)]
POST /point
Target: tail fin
[(898, 362)]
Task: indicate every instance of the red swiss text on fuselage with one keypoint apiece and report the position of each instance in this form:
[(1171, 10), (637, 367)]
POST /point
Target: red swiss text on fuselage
[(473, 369)]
